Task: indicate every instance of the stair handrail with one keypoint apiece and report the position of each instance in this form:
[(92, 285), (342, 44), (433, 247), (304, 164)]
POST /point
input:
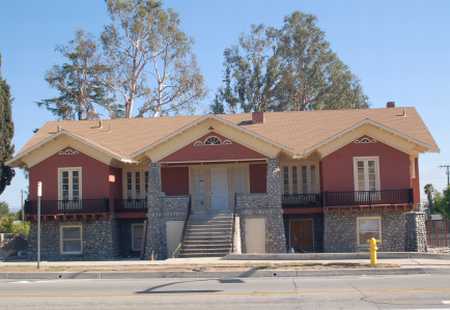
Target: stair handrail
[(234, 223), (186, 220)]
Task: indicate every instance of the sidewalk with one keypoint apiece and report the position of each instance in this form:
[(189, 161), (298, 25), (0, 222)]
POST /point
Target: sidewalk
[(209, 266)]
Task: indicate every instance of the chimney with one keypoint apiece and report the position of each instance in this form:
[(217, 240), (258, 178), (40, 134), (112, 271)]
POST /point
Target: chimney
[(390, 104), (257, 117)]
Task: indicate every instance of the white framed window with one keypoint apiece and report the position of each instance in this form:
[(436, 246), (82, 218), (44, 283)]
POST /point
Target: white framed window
[(300, 179), (134, 180), (137, 236), (70, 183), (368, 227), (286, 180), (366, 173), (71, 239), (294, 180)]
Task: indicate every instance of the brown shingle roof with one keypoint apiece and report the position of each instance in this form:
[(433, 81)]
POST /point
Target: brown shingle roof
[(298, 131)]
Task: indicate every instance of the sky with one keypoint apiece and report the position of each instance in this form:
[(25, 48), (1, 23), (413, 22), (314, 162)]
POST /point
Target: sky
[(400, 50)]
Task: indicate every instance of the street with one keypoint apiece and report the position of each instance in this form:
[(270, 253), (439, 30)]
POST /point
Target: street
[(362, 292)]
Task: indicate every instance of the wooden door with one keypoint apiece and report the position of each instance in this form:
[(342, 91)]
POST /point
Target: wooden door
[(301, 235)]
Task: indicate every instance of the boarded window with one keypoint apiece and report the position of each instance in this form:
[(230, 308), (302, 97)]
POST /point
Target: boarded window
[(258, 178)]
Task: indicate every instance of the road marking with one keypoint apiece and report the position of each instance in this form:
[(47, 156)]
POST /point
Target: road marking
[(446, 302)]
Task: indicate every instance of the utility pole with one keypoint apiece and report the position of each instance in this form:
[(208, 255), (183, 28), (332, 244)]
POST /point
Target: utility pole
[(447, 172), (39, 196), (21, 205)]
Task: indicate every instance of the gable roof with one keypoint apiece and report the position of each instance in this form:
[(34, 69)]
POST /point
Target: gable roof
[(293, 132)]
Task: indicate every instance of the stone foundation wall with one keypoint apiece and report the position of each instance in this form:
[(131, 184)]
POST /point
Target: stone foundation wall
[(267, 206), (416, 238), (166, 209), (399, 231), (99, 240)]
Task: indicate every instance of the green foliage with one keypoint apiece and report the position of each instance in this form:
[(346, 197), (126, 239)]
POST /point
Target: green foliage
[(6, 133), (4, 209), (217, 105), (291, 68), (81, 82), (10, 223), (442, 202)]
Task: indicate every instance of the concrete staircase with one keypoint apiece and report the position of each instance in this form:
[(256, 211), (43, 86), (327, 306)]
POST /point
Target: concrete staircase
[(208, 235)]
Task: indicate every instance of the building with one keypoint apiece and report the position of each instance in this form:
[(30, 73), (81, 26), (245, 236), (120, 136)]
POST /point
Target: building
[(206, 185)]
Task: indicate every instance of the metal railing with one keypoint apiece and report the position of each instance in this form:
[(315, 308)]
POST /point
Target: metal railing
[(310, 200), (50, 207), (398, 196), (185, 224), (130, 205)]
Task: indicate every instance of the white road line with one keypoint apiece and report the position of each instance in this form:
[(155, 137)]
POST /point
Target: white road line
[(446, 302)]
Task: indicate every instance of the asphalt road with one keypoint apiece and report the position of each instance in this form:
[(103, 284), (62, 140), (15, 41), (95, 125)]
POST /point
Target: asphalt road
[(363, 292)]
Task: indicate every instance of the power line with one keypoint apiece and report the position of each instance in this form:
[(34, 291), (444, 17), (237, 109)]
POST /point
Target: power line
[(447, 172)]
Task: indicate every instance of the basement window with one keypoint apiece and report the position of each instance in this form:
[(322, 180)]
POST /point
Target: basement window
[(71, 239), (368, 227)]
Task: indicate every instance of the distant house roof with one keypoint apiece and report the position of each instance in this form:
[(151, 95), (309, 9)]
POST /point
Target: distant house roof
[(299, 132)]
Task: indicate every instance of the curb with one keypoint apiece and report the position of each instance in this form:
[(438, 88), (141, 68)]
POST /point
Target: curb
[(252, 273), (335, 256)]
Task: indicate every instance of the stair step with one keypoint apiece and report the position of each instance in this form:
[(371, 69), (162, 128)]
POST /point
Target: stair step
[(206, 246), (204, 254)]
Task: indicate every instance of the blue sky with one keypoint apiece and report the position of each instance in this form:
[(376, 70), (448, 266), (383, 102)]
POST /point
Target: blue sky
[(399, 49)]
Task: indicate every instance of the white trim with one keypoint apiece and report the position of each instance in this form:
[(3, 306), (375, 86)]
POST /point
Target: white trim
[(80, 181), (133, 246), (368, 121), (61, 248), (366, 159), (358, 219), (200, 120), (215, 161), (76, 137)]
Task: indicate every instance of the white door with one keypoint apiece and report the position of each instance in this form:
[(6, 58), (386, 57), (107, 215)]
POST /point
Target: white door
[(219, 188)]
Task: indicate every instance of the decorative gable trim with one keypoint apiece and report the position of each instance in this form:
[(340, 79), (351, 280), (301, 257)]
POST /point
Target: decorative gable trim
[(365, 140), (68, 152)]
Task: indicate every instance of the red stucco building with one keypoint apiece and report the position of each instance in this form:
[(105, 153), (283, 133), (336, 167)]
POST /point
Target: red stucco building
[(215, 184)]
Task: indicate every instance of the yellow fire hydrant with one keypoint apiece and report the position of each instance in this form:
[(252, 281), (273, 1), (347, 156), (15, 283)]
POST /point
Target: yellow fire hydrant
[(373, 252)]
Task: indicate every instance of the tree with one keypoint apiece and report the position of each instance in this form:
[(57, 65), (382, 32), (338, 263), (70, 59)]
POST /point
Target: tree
[(288, 69), (151, 58), (6, 133), (81, 81), (429, 191), (4, 209), (217, 105), (442, 202)]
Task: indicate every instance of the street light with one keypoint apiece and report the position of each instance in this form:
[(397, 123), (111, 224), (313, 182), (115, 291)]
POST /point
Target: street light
[(39, 196)]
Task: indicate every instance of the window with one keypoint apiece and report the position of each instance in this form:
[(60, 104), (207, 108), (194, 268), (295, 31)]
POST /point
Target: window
[(368, 227), (146, 182), (313, 185), (71, 239), (133, 184), (304, 179), (286, 180), (137, 236), (69, 183), (137, 184), (129, 185), (366, 173), (213, 140), (294, 180)]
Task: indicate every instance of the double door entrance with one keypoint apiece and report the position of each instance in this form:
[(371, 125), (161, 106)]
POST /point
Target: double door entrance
[(214, 186)]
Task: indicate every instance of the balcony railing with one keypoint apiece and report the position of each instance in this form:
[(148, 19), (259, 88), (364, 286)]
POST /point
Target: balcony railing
[(130, 205), (312, 200), (51, 207), (400, 196)]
